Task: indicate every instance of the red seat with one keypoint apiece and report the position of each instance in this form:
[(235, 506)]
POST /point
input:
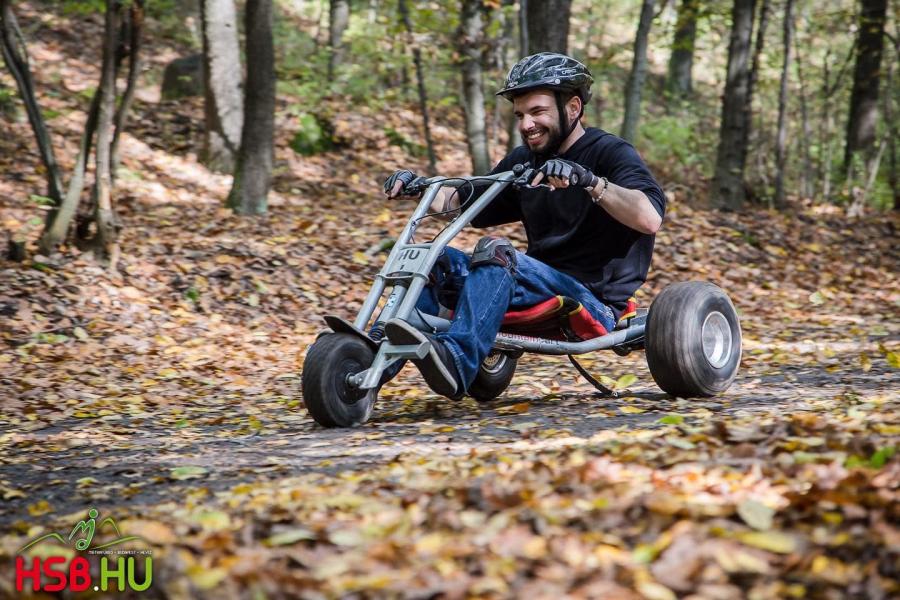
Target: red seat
[(559, 318)]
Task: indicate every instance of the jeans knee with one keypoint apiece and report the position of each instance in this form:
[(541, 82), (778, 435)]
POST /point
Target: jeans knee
[(492, 250)]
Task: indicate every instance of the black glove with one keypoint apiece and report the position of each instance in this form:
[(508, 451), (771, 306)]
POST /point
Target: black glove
[(407, 177), (573, 172)]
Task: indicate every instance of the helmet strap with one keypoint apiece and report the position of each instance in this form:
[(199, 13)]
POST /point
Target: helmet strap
[(565, 127)]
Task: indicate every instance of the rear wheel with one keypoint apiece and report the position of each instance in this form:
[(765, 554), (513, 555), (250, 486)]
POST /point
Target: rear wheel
[(693, 340), (328, 396), (494, 375)]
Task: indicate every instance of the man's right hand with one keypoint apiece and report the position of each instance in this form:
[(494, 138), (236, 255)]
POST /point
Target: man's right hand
[(395, 185)]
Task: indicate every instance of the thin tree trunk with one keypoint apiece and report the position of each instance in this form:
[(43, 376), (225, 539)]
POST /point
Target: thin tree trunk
[(728, 190), (828, 90), (503, 119), (338, 19), (15, 55), (420, 77), (749, 130), (512, 127), (471, 43), (863, 115), (679, 82), (106, 242), (223, 102), (635, 84), (253, 173), (806, 174), (889, 118), (136, 15), (781, 139), (55, 232), (548, 25)]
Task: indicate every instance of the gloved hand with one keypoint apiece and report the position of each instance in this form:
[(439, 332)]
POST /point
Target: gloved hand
[(398, 184), (566, 171)]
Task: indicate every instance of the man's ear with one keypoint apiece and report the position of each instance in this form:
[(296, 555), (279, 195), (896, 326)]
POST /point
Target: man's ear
[(574, 107)]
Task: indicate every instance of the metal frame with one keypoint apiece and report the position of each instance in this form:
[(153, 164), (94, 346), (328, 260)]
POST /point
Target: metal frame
[(407, 270)]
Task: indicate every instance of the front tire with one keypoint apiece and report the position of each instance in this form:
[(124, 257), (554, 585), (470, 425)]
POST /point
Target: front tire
[(329, 398), (494, 375), (693, 340)]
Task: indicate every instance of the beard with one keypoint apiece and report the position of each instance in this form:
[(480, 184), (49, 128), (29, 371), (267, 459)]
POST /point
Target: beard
[(553, 140)]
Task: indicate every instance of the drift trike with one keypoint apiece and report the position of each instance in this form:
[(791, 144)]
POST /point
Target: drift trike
[(691, 332)]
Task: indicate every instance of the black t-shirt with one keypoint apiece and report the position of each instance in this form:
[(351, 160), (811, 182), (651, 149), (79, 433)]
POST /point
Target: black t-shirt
[(567, 231)]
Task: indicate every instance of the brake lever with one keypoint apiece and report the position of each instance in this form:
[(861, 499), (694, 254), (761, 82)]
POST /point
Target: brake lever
[(525, 175)]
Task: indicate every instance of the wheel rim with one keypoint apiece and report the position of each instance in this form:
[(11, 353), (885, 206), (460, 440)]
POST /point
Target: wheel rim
[(493, 363), (347, 393), (716, 339)]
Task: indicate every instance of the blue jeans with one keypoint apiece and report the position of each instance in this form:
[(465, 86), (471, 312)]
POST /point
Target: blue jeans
[(481, 296)]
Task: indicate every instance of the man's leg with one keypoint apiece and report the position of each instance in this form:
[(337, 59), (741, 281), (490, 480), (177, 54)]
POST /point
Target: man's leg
[(448, 277), (537, 282), (491, 290), (454, 356)]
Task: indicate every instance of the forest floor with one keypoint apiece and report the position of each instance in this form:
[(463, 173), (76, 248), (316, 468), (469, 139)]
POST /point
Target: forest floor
[(166, 394)]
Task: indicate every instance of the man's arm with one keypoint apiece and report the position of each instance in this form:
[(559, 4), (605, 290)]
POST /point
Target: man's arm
[(629, 207)]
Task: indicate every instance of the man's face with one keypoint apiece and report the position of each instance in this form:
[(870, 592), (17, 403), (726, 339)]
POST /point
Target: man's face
[(538, 120)]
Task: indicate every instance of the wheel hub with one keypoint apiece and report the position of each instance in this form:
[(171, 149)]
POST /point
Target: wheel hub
[(716, 339), (493, 362)]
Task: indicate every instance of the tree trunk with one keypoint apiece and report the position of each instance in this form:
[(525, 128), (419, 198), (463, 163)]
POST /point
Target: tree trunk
[(471, 44), (106, 242), (223, 104), (253, 173), (420, 77), (136, 16), (829, 88), (547, 25), (55, 231), (679, 82), (863, 114), (728, 182), (635, 84), (524, 44), (15, 55), (781, 139), (806, 173), (338, 19), (889, 118), (749, 129)]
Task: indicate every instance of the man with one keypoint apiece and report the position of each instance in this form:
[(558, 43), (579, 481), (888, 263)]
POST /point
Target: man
[(590, 234)]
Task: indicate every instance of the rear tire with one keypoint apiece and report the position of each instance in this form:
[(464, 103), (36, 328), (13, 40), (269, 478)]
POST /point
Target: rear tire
[(494, 375), (330, 400), (693, 340)]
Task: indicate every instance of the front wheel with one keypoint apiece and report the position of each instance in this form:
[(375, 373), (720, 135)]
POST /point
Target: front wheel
[(494, 375), (693, 340), (328, 396)]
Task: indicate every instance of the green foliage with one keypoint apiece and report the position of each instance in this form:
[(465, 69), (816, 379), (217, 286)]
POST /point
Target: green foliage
[(41, 200), (83, 7), (313, 136), (395, 138), (673, 138)]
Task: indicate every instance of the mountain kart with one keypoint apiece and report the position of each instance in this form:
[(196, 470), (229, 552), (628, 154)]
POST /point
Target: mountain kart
[(691, 333)]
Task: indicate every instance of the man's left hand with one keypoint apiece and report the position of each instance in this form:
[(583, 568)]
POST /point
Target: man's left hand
[(563, 173)]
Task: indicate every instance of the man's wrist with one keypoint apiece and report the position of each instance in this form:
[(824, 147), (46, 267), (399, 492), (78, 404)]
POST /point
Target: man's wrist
[(599, 190)]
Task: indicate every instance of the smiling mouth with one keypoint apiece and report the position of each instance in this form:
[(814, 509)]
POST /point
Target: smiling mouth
[(534, 136)]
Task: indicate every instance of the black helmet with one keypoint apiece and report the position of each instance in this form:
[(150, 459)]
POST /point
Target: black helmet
[(549, 70)]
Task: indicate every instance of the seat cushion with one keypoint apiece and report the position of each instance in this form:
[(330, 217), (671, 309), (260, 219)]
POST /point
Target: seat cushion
[(560, 318)]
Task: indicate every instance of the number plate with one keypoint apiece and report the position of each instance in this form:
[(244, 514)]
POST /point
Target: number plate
[(410, 260)]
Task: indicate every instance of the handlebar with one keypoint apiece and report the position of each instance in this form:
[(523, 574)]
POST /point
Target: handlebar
[(520, 176)]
